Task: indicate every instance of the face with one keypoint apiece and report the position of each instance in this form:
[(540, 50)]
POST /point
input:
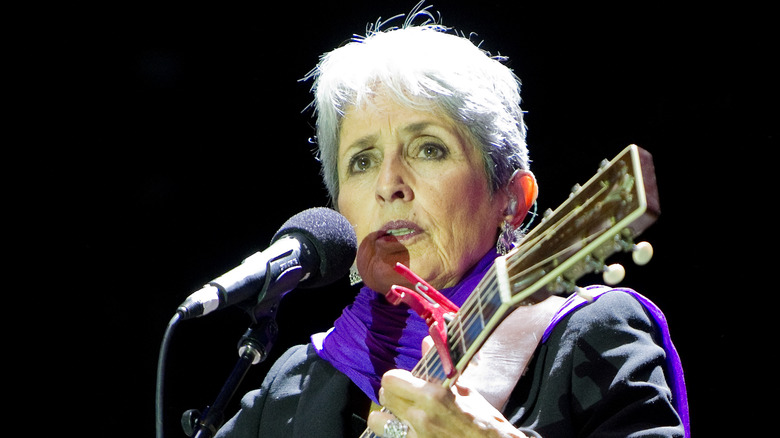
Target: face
[(416, 191)]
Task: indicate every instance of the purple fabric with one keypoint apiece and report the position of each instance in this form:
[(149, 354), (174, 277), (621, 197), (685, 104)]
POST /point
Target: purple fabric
[(673, 363), (373, 336)]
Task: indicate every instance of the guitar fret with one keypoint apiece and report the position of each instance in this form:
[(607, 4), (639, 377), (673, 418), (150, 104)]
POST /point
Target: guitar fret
[(430, 367), (458, 323), (472, 318)]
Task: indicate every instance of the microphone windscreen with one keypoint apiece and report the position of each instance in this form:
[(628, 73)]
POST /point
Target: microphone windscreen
[(333, 238)]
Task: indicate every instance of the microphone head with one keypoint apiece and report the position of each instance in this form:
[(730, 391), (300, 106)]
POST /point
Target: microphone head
[(333, 238)]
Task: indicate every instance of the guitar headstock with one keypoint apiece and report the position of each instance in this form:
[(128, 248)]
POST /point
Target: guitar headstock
[(600, 218)]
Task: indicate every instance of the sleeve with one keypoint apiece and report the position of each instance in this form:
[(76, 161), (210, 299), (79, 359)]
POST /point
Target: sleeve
[(601, 373), (618, 371)]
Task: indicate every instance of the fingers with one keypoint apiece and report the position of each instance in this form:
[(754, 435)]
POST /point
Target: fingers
[(401, 390), (433, 410), (377, 420), (426, 407)]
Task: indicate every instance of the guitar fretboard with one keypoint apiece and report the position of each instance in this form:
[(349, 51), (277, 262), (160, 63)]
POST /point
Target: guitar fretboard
[(464, 331)]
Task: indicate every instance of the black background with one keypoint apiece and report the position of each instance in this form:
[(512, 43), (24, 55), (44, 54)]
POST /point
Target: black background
[(168, 142)]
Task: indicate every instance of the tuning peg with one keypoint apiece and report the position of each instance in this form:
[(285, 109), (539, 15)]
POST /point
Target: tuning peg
[(613, 274), (642, 252), (576, 188)]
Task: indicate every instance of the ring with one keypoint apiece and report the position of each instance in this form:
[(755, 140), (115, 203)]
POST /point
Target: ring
[(395, 428)]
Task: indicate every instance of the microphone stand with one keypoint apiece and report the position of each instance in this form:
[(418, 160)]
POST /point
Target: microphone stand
[(253, 348)]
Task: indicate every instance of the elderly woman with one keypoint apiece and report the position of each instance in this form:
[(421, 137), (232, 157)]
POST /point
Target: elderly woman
[(422, 144)]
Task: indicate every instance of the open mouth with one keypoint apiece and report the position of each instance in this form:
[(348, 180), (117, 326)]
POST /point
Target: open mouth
[(399, 230)]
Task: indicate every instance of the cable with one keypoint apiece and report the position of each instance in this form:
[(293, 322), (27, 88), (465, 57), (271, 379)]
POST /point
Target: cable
[(158, 401)]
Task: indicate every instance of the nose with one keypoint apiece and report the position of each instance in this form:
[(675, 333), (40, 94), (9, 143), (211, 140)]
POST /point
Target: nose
[(393, 181)]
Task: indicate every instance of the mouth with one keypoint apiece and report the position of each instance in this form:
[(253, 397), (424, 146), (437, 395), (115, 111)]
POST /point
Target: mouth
[(399, 230)]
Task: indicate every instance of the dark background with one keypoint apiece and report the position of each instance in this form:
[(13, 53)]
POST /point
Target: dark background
[(169, 142)]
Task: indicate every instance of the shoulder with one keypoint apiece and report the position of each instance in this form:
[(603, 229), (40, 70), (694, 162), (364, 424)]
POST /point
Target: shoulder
[(295, 370), (294, 358), (300, 393), (615, 334), (286, 367), (255, 404), (602, 367), (611, 310), (610, 341)]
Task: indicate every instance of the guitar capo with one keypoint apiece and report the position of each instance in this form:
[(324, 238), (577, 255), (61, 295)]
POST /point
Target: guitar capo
[(433, 307)]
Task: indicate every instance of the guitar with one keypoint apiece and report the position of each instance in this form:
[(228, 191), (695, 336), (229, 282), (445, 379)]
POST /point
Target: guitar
[(599, 219)]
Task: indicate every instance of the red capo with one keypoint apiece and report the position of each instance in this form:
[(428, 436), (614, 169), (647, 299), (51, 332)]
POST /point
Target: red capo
[(432, 306)]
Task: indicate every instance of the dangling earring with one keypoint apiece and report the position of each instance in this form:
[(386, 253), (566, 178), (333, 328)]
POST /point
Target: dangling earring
[(506, 239), (354, 275)]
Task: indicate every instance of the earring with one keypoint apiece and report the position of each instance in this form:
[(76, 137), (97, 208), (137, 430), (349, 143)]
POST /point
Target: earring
[(506, 239), (354, 275)]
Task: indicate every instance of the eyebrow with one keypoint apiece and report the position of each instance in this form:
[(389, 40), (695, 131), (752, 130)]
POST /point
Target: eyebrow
[(369, 140), (363, 142), (416, 128)]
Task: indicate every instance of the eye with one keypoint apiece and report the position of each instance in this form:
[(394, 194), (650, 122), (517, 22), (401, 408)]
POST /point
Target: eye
[(432, 151), (360, 163)]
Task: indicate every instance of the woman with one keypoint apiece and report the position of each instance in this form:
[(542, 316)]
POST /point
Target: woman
[(422, 144)]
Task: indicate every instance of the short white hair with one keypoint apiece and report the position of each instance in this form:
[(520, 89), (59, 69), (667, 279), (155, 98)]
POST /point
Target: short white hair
[(422, 66)]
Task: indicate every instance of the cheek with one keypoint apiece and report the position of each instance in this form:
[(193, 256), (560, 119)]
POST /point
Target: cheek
[(474, 227), (467, 215), (356, 213)]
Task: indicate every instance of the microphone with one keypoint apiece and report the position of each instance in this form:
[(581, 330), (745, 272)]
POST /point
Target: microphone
[(313, 248)]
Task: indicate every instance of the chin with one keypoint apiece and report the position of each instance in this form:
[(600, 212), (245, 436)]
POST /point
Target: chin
[(381, 277), (379, 273)]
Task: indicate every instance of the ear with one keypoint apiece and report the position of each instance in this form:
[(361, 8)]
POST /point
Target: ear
[(522, 190)]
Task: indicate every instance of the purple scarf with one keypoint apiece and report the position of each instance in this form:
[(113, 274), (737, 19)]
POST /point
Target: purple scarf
[(373, 336)]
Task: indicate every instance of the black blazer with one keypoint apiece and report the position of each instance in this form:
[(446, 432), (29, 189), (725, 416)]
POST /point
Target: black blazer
[(600, 373)]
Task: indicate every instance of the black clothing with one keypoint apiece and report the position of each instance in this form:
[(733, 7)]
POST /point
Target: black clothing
[(600, 373)]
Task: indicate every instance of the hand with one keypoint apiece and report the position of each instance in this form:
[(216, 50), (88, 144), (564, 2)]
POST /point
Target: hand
[(432, 410)]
